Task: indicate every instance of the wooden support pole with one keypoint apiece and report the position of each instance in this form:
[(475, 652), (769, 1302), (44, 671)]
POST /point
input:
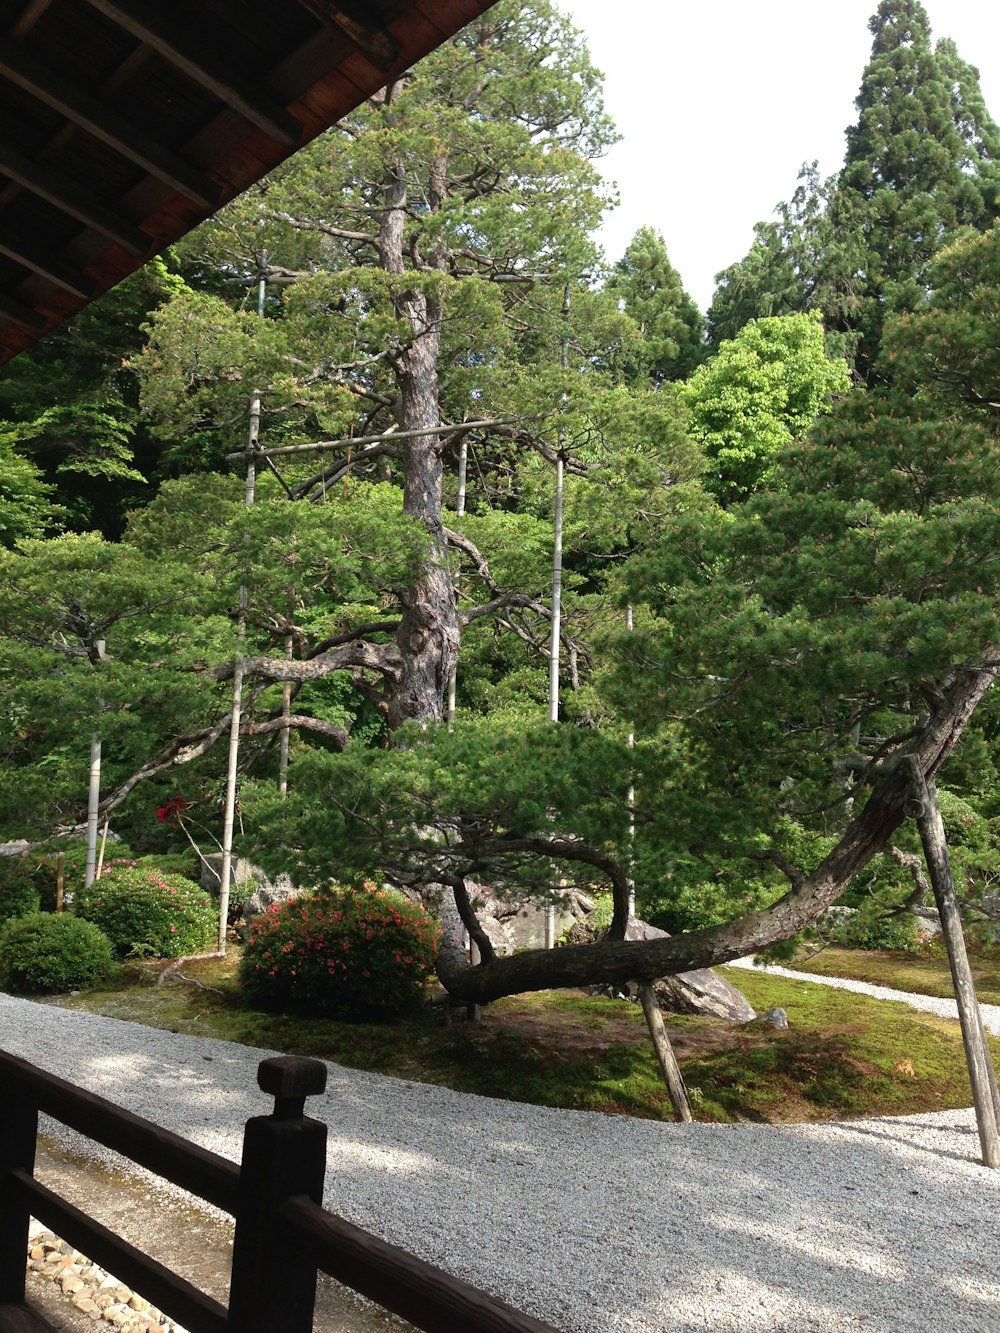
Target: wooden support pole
[(284, 1154), (18, 1132), (982, 1075), (665, 1055)]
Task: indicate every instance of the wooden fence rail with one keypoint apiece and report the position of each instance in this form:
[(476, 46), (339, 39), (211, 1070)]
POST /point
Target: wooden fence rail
[(283, 1234)]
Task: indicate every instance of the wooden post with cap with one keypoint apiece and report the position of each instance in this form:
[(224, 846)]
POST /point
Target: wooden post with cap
[(284, 1155)]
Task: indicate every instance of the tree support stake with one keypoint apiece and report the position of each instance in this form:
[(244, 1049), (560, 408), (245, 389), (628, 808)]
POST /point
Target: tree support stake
[(665, 1054), (982, 1075)]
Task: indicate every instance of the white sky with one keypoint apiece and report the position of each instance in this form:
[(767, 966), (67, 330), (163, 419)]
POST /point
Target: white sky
[(719, 103)]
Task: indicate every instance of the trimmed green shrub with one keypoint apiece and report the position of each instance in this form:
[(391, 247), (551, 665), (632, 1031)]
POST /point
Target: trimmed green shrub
[(18, 896), (37, 867), (172, 863), (871, 930), (350, 952), (48, 954), (147, 914)]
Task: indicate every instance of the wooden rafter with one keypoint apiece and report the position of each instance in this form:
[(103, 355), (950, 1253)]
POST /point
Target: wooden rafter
[(84, 111), (71, 198), (127, 122), (46, 266), (30, 15), (152, 27), (21, 315), (379, 46)]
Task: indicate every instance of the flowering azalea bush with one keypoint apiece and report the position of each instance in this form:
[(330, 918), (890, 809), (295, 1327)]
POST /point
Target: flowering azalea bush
[(146, 912), (352, 952), (48, 954)]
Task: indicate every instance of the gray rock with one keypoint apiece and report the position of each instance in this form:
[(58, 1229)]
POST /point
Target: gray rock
[(265, 895), (702, 991), (775, 1018), (241, 873)]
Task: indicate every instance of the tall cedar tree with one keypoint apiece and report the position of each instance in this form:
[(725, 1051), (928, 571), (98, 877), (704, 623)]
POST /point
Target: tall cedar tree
[(922, 161), (649, 289)]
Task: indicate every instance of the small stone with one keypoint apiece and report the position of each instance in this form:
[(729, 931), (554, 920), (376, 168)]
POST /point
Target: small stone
[(70, 1283), (104, 1298), (118, 1315), (37, 1252), (85, 1303), (92, 1274), (123, 1294), (137, 1302)]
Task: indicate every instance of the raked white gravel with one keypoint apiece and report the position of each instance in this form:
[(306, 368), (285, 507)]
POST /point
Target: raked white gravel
[(601, 1224)]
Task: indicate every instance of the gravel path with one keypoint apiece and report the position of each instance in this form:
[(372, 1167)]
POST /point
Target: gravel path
[(601, 1224)]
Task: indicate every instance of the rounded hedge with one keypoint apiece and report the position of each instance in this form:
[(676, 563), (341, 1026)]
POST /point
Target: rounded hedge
[(50, 953), (146, 913), (349, 952)]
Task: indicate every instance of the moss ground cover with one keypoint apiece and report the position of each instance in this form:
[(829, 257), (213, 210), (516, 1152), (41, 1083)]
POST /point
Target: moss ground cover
[(923, 974), (843, 1055)]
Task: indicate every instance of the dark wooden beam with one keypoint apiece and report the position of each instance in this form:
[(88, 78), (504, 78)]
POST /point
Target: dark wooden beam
[(46, 266), (380, 47), (23, 316), (30, 15), (149, 25), (71, 198), (84, 111)]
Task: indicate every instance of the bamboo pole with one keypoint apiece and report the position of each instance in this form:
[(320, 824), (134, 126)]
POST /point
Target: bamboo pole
[(463, 468), (93, 801), (286, 712), (982, 1075), (236, 717)]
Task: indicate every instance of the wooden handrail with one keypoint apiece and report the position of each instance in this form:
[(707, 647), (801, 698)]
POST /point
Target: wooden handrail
[(417, 1291), (275, 1196), (159, 1284), (211, 1177)]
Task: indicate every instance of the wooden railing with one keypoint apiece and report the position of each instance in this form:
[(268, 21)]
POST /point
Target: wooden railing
[(283, 1235)]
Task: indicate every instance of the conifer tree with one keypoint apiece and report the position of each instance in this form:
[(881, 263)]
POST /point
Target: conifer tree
[(650, 290), (922, 161)]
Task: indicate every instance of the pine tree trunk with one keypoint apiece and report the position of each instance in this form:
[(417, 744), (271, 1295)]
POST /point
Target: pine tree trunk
[(428, 632)]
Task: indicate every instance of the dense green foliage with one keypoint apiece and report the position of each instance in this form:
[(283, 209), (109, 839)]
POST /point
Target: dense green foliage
[(18, 897), (354, 952), (50, 954), (148, 914), (805, 561)]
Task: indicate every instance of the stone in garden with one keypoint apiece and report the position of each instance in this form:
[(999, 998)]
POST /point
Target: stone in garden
[(702, 991)]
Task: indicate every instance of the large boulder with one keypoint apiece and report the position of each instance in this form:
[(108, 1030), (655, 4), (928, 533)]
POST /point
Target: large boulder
[(702, 991), (243, 875), (267, 894), (519, 923)]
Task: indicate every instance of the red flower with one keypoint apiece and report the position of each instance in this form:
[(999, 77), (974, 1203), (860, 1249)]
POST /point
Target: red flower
[(167, 812)]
